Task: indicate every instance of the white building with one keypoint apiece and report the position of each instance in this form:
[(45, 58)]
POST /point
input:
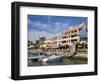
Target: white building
[(72, 35)]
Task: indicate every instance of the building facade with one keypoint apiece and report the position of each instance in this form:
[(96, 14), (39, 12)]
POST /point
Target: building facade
[(70, 36)]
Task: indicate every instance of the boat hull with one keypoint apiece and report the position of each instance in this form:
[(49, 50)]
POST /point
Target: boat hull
[(52, 59)]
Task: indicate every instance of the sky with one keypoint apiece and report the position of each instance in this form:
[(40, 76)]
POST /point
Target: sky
[(48, 26)]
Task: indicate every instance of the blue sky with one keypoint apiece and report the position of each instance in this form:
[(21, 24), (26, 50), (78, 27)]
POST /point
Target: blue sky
[(48, 26)]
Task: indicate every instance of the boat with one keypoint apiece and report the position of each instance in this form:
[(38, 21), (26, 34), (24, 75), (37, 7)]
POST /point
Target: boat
[(53, 58)]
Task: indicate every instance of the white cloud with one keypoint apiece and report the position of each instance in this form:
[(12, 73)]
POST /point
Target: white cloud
[(57, 23), (65, 25), (60, 27), (38, 24), (45, 30), (34, 35)]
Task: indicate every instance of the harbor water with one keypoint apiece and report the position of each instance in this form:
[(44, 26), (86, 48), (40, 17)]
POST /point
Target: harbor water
[(63, 61)]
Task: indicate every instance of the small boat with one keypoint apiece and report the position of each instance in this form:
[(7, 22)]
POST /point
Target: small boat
[(53, 58)]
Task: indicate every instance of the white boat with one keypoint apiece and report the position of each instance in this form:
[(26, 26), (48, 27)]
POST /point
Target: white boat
[(52, 58)]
